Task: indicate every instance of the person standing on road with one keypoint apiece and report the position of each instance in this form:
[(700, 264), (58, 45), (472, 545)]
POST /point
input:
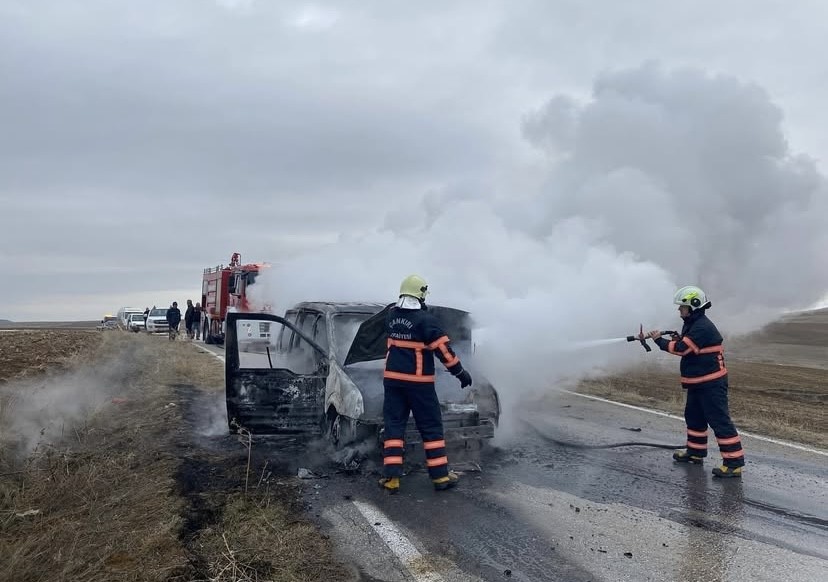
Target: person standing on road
[(414, 336), (188, 318), (704, 376), (174, 316), (197, 321), (146, 315)]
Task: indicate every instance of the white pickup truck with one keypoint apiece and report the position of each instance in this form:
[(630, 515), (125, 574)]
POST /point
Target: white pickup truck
[(135, 322), (157, 320)]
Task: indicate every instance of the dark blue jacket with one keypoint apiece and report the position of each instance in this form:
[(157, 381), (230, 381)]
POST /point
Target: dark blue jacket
[(414, 336), (700, 348), (173, 316)]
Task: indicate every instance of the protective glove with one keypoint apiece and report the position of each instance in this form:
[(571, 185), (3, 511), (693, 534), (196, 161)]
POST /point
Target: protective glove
[(465, 378)]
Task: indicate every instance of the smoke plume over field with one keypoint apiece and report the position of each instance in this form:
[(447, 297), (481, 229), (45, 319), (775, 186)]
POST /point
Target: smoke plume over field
[(659, 179)]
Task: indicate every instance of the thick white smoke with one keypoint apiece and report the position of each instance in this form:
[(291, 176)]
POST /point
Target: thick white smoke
[(694, 173), (660, 180)]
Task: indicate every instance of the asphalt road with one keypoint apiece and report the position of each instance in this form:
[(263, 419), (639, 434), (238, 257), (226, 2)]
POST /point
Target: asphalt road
[(538, 510)]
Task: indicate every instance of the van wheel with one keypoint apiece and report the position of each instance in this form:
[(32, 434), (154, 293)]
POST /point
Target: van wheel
[(340, 432)]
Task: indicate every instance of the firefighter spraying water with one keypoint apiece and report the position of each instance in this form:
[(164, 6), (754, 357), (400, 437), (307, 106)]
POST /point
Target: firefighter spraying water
[(703, 375)]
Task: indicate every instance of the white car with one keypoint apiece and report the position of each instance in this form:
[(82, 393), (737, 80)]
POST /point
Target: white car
[(135, 322), (157, 320), (125, 312), (108, 322)]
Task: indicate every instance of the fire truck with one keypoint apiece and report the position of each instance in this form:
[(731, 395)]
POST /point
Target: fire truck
[(224, 288)]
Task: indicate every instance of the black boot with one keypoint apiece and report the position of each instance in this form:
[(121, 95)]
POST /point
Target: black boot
[(726, 472), (447, 482), (685, 457), (390, 484)]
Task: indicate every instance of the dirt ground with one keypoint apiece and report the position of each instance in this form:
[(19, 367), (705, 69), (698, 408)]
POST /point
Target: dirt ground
[(778, 383), (114, 465), (27, 353)]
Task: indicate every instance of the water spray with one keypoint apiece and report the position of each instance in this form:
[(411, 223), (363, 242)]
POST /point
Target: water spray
[(630, 338), (596, 343)]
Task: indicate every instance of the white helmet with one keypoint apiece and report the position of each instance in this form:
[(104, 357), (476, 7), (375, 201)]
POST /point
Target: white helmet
[(692, 297)]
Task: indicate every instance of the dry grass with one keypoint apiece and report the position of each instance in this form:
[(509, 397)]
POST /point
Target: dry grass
[(101, 491), (258, 527), (122, 492)]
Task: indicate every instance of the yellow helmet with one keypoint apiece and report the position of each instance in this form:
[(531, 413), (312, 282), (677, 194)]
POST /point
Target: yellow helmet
[(692, 297), (415, 286)]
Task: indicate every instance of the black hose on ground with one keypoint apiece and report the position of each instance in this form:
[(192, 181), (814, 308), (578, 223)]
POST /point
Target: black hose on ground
[(549, 439)]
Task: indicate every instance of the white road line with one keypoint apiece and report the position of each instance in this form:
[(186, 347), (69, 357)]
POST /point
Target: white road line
[(741, 432), (211, 352), (411, 559)]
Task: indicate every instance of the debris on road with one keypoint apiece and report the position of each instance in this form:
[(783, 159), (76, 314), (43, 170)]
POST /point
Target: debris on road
[(306, 474), (349, 459)]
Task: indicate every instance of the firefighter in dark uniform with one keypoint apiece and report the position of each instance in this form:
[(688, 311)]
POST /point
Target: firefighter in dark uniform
[(704, 376), (414, 336)]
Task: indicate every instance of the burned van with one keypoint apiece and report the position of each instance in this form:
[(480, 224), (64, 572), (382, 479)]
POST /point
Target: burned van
[(321, 374)]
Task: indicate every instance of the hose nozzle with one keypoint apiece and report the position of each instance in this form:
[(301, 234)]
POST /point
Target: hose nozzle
[(640, 337)]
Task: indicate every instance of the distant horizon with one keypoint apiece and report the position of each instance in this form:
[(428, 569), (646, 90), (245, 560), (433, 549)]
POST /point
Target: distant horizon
[(51, 321), (819, 306)]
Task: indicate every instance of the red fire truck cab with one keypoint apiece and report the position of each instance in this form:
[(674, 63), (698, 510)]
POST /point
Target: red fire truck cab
[(224, 288)]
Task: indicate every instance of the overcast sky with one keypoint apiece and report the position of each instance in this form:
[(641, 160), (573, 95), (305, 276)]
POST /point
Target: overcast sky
[(143, 141)]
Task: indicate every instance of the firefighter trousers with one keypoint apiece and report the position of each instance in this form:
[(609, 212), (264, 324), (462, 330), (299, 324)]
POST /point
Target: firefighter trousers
[(707, 406), (419, 399)]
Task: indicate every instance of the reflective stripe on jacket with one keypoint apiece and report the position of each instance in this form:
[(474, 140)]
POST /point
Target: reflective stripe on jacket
[(700, 348), (414, 337)]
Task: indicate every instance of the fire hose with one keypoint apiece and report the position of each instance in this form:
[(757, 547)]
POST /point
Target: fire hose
[(571, 445)]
